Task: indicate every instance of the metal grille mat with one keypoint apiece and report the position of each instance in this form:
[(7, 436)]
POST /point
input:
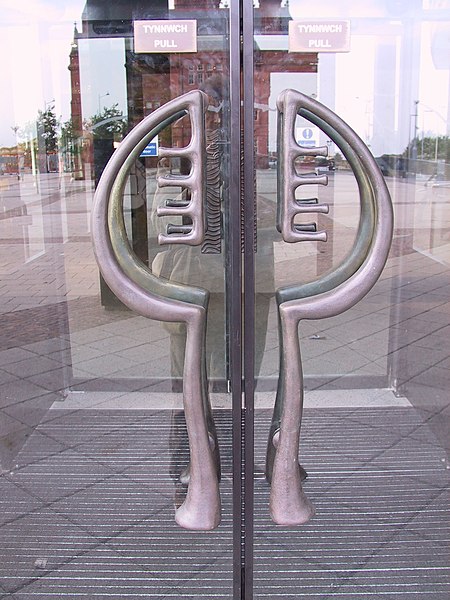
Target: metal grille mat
[(93, 516)]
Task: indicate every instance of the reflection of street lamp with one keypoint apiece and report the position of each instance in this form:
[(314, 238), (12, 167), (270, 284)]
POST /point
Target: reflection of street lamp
[(367, 103), (15, 128), (429, 109), (100, 96), (416, 115), (412, 145)]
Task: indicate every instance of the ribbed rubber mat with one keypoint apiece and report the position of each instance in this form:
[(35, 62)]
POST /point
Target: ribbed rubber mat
[(380, 486), (88, 511)]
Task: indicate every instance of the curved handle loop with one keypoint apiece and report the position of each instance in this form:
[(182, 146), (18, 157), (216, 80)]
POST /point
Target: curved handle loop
[(354, 287), (349, 264), (329, 296), (127, 259), (136, 286)]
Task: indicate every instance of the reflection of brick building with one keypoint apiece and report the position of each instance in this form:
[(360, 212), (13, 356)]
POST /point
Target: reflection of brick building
[(76, 145), (193, 71), (74, 68), (153, 79)]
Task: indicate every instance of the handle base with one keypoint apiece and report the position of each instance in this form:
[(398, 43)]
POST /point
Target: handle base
[(198, 515)]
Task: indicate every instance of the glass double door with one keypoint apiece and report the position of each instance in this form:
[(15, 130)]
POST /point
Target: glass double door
[(231, 169), (245, 58)]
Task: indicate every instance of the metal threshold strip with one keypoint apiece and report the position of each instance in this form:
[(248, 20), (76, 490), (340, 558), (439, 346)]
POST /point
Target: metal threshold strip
[(169, 401)]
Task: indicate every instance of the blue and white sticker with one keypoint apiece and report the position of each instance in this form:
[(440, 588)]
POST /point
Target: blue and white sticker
[(150, 149), (307, 136)]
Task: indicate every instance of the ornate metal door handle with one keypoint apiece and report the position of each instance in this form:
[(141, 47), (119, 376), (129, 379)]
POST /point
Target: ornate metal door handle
[(331, 295), (335, 292), (139, 289)]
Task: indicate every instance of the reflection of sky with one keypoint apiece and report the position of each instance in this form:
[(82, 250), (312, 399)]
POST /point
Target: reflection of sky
[(103, 78), (36, 36)]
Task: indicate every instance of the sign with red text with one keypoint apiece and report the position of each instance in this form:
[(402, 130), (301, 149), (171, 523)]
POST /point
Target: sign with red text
[(319, 36), (166, 36)]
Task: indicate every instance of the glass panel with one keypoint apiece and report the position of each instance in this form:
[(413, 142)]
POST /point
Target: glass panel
[(375, 428), (93, 441)]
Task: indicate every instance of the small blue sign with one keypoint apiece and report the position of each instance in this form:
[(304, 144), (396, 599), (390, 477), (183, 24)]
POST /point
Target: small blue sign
[(307, 137), (150, 150)]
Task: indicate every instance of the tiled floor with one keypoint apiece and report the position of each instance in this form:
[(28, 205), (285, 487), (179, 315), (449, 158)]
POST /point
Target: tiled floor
[(90, 462)]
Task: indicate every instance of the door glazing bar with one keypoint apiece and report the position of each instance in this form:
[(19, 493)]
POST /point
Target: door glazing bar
[(249, 213), (235, 293)]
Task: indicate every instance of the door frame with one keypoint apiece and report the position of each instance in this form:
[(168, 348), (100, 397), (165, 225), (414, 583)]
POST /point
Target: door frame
[(242, 293)]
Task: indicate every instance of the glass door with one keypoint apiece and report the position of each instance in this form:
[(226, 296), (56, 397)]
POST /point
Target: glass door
[(374, 376), (129, 406)]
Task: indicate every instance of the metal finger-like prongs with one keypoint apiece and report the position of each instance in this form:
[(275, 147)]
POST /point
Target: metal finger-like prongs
[(328, 296), (139, 289), (289, 181), (192, 208)]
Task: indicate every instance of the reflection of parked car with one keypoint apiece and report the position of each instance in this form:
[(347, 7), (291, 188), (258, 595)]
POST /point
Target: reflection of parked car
[(324, 165), (383, 165), (392, 165)]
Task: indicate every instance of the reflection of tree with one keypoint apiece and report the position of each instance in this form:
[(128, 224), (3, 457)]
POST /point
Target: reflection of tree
[(67, 133), (110, 123), (105, 128), (48, 125), (430, 147), (47, 130), (70, 146)]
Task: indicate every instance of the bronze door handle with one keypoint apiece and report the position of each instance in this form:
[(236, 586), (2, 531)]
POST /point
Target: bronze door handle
[(329, 296), (139, 289)]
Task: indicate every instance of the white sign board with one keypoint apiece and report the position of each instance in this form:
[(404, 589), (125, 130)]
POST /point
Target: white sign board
[(165, 36), (319, 36)]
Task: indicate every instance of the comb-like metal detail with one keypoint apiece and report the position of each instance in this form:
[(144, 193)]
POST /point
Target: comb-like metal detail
[(139, 289), (194, 183), (331, 295), (289, 180)]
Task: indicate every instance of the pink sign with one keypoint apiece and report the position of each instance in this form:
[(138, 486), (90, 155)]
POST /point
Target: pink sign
[(165, 36), (319, 36)]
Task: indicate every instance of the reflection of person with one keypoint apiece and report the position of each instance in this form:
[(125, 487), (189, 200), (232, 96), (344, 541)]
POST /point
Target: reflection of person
[(193, 266), (187, 264)]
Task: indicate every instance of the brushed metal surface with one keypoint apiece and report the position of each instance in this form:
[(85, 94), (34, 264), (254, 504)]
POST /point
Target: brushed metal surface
[(330, 296), (136, 286)]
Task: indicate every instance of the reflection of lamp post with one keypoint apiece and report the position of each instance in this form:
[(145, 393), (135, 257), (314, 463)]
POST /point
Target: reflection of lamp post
[(33, 161), (412, 145), (426, 110), (16, 129), (367, 103), (437, 114), (100, 96), (416, 114)]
